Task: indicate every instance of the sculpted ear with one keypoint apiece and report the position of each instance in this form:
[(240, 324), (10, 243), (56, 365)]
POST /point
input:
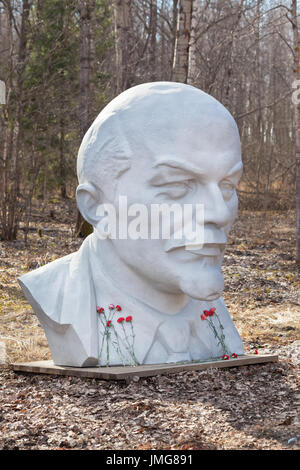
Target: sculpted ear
[(88, 200)]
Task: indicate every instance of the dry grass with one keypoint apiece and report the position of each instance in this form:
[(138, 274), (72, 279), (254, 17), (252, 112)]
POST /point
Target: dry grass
[(262, 279)]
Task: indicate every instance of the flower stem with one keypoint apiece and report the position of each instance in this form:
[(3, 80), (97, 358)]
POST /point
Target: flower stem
[(220, 338), (119, 351), (129, 347), (103, 336)]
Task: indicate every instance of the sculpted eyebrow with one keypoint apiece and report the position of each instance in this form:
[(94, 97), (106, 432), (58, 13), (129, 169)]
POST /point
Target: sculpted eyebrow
[(171, 171), (176, 165), (236, 169)]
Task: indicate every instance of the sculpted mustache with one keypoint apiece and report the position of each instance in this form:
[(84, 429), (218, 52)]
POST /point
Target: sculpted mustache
[(217, 240), (174, 246)]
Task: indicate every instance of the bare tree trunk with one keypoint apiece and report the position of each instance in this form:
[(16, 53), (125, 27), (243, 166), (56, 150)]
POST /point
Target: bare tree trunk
[(2, 92), (7, 130), (258, 118), (153, 32), (296, 39), (230, 76), (62, 159), (93, 30), (192, 66), (10, 160), (174, 28), (182, 44), (85, 65), (163, 49), (34, 168), (121, 21), (82, 228)]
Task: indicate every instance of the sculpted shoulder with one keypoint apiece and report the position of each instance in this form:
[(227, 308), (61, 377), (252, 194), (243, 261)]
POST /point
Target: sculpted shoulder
[(48, 273), (45, 284)]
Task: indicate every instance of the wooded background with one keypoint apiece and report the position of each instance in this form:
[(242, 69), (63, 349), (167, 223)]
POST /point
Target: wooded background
[(62, 61)]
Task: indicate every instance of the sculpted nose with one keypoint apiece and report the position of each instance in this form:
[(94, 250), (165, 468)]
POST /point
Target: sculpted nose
[(216, 211)]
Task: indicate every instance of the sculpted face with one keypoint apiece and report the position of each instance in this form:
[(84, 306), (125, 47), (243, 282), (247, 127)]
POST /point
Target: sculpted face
[(185, 149), (204, 169)]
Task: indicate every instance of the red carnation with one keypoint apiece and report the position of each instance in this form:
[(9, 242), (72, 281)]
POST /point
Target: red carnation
[(100, 309), (206, 312), (203, 316), (225, 357), (212, 311), (118, 308), (233, 355), (111, 306), (120, 320), (255, 351), (129, 318), (108, 323)]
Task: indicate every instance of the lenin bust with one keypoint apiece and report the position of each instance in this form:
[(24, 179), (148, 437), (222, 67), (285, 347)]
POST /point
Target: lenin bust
[(130, 294)]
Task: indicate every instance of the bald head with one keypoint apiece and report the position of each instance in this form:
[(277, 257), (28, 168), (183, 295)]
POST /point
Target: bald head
[(143, 121)]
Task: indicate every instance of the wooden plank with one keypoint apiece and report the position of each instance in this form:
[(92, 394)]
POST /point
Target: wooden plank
[(127, 372)]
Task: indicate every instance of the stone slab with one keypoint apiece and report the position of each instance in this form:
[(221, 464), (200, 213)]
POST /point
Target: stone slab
[(127, 372)]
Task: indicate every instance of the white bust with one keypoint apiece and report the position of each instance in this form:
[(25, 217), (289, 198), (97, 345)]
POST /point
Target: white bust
[(156, 143)]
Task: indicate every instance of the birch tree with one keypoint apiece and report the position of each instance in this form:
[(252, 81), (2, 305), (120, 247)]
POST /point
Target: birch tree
[(193, 72), (84, 7), (296, 106), (182, 42), (2, 92)]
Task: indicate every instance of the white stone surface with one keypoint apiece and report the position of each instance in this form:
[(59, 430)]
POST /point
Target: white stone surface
[(159, 142)]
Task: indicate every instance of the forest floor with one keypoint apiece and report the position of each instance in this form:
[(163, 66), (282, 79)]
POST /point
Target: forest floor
[(249, 407)]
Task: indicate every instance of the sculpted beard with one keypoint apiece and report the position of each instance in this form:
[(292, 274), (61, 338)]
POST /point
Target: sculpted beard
[(203, 279), (203, 284)]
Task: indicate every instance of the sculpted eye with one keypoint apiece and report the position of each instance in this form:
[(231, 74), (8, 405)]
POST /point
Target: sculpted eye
[(176, 190), (228, 189)]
